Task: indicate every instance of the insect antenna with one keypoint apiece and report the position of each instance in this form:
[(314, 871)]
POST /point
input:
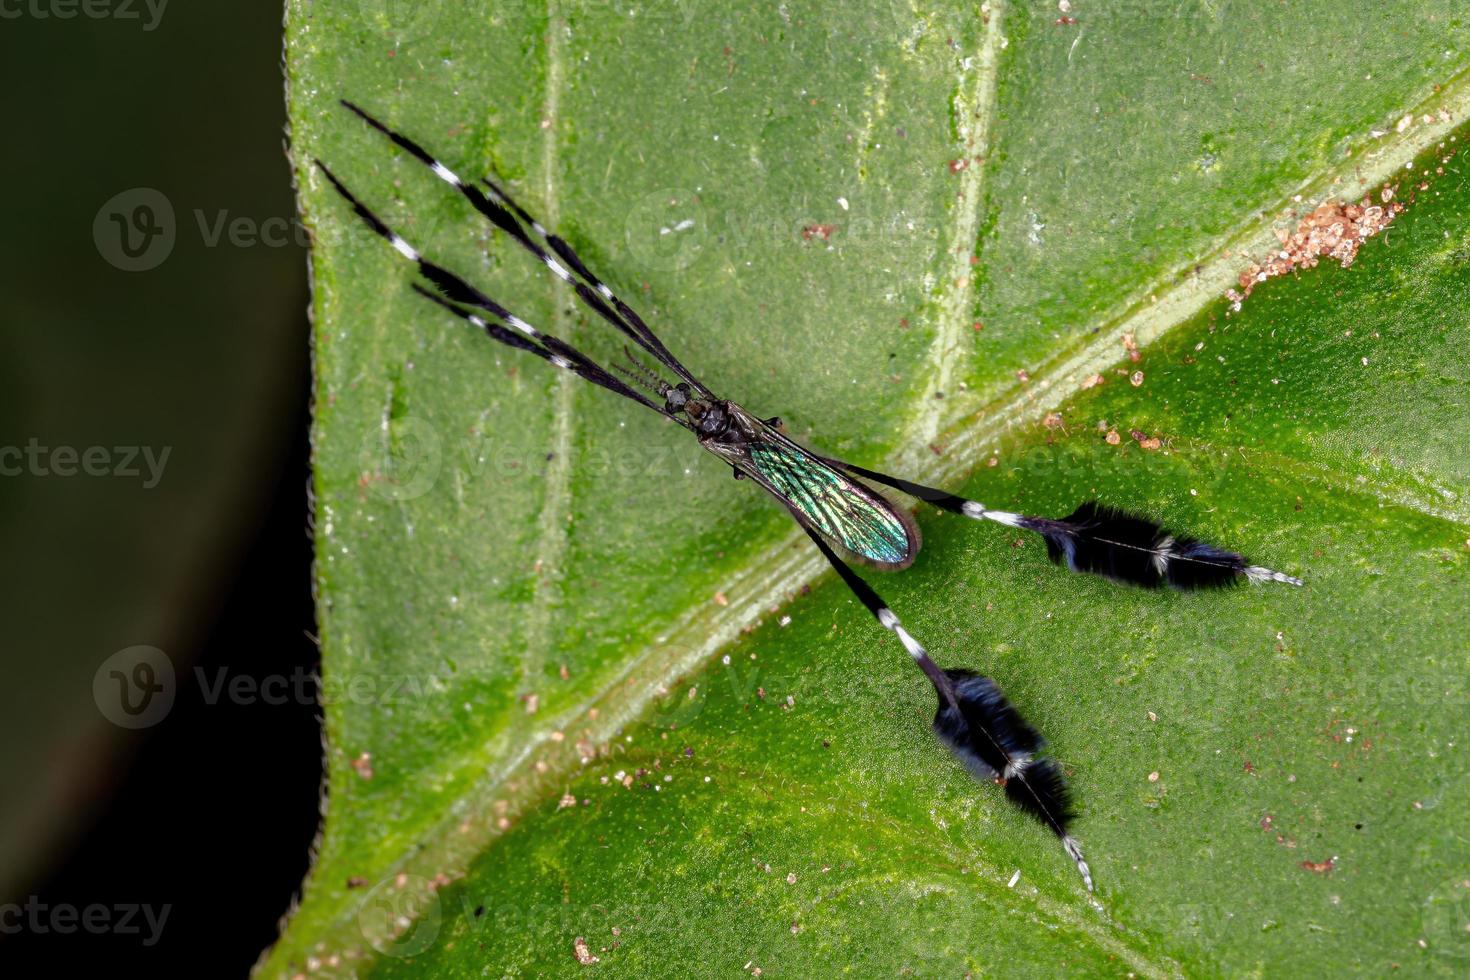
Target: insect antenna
[(589, 289), (1104, 541), (643, 375), (511, 329), (978, 724)]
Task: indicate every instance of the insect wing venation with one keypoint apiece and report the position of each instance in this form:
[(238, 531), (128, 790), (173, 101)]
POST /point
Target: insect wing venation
[(840, 508)]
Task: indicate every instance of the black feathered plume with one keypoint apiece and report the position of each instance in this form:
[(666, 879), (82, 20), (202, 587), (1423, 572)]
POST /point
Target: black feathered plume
[(1102, 540), (995, 743), (978, 724), (1129, 548)]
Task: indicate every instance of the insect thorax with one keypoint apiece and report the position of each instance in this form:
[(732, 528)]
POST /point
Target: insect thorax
[(724, 428)]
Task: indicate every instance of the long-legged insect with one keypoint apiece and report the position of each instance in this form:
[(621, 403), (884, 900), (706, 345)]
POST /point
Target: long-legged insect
[(827, 496)]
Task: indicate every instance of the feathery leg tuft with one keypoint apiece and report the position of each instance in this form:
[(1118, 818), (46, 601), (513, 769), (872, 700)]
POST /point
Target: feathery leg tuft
[(988, 734), (1128, 548), (978, 724), (980, 705)]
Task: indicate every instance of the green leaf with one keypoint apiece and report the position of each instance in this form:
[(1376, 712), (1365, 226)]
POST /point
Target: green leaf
[(568, 714)]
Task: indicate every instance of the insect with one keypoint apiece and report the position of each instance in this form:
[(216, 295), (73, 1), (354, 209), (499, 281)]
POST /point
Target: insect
[(829, 498)]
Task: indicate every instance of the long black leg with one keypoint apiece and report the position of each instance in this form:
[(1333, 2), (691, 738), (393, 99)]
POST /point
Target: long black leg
[(520, 334), (585, 368), (978, 724), (592, 291), (561, 248), (1104, 541)]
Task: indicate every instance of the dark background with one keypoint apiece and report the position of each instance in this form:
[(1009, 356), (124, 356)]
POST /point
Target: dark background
[(212, 810)]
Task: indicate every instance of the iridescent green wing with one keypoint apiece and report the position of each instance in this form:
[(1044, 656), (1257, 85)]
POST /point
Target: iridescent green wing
[(840, 508)]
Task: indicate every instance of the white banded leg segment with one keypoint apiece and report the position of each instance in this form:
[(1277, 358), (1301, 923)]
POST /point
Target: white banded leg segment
[(625, 317), (503, 199), (1101, 540), (403, 248), (1074, 851), (885, 616), (445, 174), (525, 328), (478, 321), (942, 499), (1258, 574), (517, 323), (889, 621), (492, 207), (1162, 553), (557, 268), (975, 509), (528, 339)]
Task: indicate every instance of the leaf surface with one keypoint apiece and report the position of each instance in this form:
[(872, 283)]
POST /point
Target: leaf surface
[(918, 234)]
